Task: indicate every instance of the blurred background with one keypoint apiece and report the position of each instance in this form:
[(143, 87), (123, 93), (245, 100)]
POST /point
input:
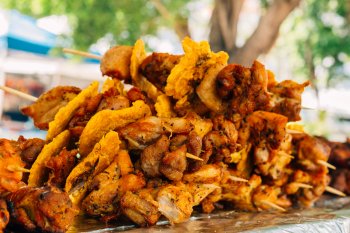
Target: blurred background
[(296, 39)]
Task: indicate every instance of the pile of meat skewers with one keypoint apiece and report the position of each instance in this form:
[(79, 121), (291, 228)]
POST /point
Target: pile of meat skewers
[(192, 131)]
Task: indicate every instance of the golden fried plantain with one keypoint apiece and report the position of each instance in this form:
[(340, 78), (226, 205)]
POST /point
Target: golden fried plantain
[(107, 120), (65, 113), (38, 171)]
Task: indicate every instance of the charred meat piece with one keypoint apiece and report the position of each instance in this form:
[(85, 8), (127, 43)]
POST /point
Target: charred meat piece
[(157, 67), (152, 155), (142, 133), (61, 165), (174, 163), (310, 150), (46, 209), (83, 115), (45, 108), (4, 215), (319, 179), (111, 99), (286, 99), (115, 62), (30, 149), (141, 207), (341, 180), (267, 127), (245, 88)]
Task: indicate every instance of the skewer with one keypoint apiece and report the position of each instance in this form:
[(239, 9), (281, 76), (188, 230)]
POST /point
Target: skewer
[(273, 205), (81, 53), (292, 131), (19, 93), (191, 156), (302, 185), (236, 178), (283, 153), (15, 168), (335, 191), (324, 163)]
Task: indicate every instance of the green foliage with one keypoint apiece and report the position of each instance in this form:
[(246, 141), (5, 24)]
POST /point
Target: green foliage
[(322, 30), (126, 21)]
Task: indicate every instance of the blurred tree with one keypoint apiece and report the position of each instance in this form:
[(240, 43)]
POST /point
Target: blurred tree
[(93, 19), (323, 40), (224, 22), (127, 20)]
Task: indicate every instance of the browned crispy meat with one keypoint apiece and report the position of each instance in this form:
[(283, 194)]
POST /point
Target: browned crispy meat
[(174, 163), (4, 215), (340, 153), (135, 94), (157, 66), (141, 207), (143, 132), (341, 180), (11, 166), (61, 165), (107, 190), (152, 155), (45, 209), (245, 88), (270, 194), (111, 99), (319, 179), (30, 149), (83, 115), (175, 203), (45, 108), (240, 194), (286, 98), (310, 150), (115, 62), (267, 127)]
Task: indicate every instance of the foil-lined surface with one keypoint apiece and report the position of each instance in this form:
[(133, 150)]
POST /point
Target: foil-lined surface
[(328, 215)]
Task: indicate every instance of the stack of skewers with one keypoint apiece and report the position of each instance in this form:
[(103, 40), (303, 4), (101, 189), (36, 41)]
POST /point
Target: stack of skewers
[(192, 132)]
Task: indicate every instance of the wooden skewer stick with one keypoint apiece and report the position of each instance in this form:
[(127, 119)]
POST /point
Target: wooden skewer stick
[(191, 156), (81, 53), (283, 153), (236, 178), (302, 185), (324, 163), (335, 191), (292, 131), (273, 205), (19, 93), (15, 168)]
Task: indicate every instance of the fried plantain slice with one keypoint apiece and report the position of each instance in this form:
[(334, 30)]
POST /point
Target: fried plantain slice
[(98, 160), (193, 67), (137, 57), (107, 120), (43, 111), (38, 170), (66, 113)]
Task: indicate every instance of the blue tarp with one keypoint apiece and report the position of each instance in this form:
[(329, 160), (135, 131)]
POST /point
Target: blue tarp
[(24, 34)]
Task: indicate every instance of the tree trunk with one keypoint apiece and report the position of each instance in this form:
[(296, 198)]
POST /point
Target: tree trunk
[(224, 23), (224, 29)]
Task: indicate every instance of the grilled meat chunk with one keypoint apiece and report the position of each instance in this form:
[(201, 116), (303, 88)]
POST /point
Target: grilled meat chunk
[(152, 155), (45, 108), (157, 67), (4, 215), (46, 209)]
